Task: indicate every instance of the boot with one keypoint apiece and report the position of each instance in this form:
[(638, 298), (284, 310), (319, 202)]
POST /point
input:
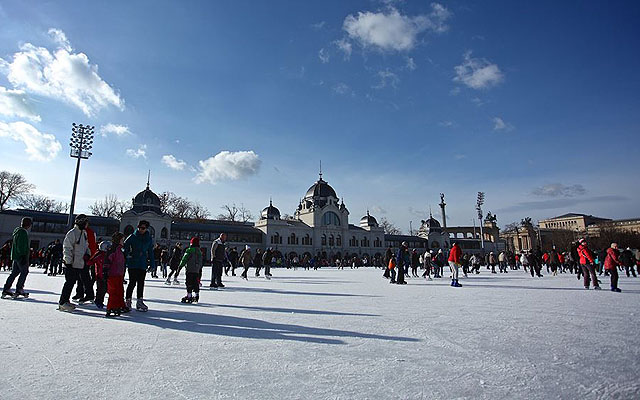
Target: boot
[(68, 307), (127, 303), (187, 299), (140, 306), (196, 298), (456, 283), (168, 281)]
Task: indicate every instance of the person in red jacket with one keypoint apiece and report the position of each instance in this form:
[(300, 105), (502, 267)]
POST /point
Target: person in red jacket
[(97, 261), (455, 259), (611, 263), (586, 263)]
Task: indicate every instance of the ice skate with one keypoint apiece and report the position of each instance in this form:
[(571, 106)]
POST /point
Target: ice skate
[(596, 288), (456, 283), (112, 313), (100, 306), (196, 298), (20, 293), (167, 282), (186, 299), (176, 282), (127, 304), (617, 290), (7, 294), (67, 307), (85, 300), (140, 306)]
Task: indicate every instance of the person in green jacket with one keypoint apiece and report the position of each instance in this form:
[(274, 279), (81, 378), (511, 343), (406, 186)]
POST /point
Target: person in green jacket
[(19, 260), (192, 258)]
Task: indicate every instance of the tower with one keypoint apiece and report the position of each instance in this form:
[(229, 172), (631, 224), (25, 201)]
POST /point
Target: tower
[(444, 215)]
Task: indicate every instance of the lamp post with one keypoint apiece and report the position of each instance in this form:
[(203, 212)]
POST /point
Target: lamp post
[(479, 204), (81, 142)]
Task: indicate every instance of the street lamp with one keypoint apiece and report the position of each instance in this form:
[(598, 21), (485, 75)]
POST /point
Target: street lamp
[(479, 204), (81, 142)]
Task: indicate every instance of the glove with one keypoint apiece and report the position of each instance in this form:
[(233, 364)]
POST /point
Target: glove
[(23, 260)]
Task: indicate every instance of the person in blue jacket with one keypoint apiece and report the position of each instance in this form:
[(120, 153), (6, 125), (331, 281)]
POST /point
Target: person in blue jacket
[(138, 253)]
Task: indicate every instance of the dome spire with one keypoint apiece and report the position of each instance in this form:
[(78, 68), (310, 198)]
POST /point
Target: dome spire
[(148, 179), (320, 170)]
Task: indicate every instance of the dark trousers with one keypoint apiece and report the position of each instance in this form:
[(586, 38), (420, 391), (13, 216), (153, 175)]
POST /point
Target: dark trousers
[(18, 270), (245, 270), (630, 267), (216, 273), (393, 274), (614, 277), (588, 270), (101, 290), (84, 289), (400, 278), (193, 282), (267, 269), (71, 276), (136, 278)]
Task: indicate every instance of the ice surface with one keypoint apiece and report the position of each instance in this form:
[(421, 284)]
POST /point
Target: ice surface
[(330, 334)]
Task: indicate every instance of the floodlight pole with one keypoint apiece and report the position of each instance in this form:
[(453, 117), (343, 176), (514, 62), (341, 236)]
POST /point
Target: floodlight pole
[(81, 143), (479, 204)]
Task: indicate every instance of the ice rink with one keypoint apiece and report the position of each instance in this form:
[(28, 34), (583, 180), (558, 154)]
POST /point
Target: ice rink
[(331, 334)]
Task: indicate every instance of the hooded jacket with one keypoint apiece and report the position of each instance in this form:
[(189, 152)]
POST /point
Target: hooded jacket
[(455, 254), (192, 258), (138, 250), (75, 247), (20, 245), (586, 256)]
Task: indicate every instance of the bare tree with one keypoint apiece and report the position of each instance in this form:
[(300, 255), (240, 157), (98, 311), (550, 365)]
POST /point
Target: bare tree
[(42, 203), (109, 207), (181, 208), (235, 213), (512, 227), (12, 187), (389, 227), (199, 212)]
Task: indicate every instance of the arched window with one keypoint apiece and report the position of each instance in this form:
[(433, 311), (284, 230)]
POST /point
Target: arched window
[(330, 218), (164, 233), (292, 239), (152, 232), (339, 240), (331, 240), (324, 240), (306, 240), (276, 238)]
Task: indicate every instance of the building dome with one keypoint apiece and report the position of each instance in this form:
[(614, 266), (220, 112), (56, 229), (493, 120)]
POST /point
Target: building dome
[(270, 212), (147, 201), (368, 220), (320, 189), (431, 223)]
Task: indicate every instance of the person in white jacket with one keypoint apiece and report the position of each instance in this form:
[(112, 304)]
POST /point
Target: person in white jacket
[(74, 249)]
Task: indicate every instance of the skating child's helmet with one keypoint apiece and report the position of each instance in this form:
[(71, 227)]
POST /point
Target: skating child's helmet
[(104, 245)]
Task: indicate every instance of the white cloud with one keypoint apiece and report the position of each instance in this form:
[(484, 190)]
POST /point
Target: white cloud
[(342, 88), (500, 125), (141, 151), (387, 78), (318, 25), (228, 165), (390, 30), (39, 146), (61, 74), (445, 124), (559, 190), (115, 129), (460, 156), (170, 161), (323, 55), (411, 64), (477, 73), (345, 46), (15, 103)]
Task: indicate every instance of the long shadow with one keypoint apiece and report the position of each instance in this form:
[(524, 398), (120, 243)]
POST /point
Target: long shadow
[(581, 289), (223, 325), (291, 292)]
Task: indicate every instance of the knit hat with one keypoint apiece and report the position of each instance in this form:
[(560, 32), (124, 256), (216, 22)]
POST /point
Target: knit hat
[(195, 241)]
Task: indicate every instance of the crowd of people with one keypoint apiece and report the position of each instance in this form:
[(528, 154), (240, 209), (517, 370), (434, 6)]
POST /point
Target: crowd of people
[(86, 264)]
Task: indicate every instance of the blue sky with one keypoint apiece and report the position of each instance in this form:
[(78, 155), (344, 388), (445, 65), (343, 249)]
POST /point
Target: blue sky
[(535, 103)]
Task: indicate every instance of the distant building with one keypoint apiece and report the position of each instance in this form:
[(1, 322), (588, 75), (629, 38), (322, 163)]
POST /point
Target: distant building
[(572, 222)]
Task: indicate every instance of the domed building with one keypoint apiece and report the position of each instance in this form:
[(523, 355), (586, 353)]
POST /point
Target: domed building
[(320, 225), (146, 205)]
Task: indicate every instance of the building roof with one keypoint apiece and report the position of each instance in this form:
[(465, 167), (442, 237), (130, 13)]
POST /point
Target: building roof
[(403, 238), (270, 212), (215, 226), (147, 201), (368, 220), (59, 218), (321, 189), (575, 215)]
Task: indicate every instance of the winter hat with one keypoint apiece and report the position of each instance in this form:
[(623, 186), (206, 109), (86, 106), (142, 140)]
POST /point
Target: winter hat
[(104, 245), (144, 223), (81, 219), (195, 241), (581, 240), (246, 247)]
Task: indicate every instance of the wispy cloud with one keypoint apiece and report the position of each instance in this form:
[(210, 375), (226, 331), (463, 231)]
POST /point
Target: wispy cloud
[(114, 129), (387, 78), (140, 152), (559, 190), (15, 103), (38, 146), (323, 55), (228, 166), (344, 46), (343, 89), (445, 124), (61, 74), (477, 73), (552, 204), (500, 125), (411, 64), (318, 25)]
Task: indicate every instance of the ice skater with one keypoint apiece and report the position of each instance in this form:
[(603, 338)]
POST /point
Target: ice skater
[(455, 256), (192, 260), (586, 263), (19, 260), (138, 252)]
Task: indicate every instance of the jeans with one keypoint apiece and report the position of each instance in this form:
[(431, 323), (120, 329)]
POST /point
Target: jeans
[(21, 270), (216, 273), (454, 270), (71, 275)]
